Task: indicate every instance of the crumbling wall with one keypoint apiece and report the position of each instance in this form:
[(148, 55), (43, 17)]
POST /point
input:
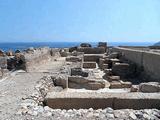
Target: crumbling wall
[(35, 57), (150, 61)]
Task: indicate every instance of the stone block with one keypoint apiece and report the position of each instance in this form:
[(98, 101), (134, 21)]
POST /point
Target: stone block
[(126, 84), (78, 72), (73, 59), (89, 65), (60, 80), (102, 100), (77, 79), (115, 85), (121, 69), (92, 57), (149, 87), (78, 82), (113, 78), (95, 85), (89, 50)]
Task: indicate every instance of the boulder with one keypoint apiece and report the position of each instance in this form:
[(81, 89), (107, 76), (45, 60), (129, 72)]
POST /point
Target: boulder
[(85, 45), (63, 53), (149, 87), (89, 65), (60, 80)]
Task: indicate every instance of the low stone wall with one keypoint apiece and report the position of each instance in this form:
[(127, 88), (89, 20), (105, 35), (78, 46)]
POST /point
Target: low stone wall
[(89, 50), (77, 100), (93, 57), (37, 57), (150, 61)]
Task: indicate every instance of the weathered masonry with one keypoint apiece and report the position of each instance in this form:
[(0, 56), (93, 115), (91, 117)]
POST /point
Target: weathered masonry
[(150, 61)]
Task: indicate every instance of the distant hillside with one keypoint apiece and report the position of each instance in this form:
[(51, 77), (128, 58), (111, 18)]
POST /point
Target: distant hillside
[(157, 44)]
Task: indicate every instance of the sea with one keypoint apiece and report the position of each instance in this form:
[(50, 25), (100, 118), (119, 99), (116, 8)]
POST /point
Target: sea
[(22, 45)]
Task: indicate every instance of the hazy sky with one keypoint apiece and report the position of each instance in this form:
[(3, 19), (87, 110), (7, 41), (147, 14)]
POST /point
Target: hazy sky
[(80, 20)]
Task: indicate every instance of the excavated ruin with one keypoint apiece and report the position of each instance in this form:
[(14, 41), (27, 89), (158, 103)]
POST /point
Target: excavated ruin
[(91, 77)]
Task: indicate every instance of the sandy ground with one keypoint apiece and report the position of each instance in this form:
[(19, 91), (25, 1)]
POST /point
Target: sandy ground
[(21, 84)]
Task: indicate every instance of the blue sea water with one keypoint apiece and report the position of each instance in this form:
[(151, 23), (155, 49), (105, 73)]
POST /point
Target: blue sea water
[(22, 45)]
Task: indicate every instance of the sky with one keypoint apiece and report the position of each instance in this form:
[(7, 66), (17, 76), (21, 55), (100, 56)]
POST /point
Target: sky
[(79, 20)]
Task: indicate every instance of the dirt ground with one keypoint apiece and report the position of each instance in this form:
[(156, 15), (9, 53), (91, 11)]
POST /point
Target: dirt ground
[(21, 84)]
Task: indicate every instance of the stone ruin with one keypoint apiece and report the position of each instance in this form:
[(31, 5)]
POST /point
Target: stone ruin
[(92, 77), (26, 60), (98, 69)]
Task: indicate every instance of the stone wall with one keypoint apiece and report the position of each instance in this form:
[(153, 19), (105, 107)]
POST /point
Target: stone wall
[(33, 57), (150, 61), (89, 50)]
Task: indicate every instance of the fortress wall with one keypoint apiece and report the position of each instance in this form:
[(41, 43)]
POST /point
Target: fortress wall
[(150, 61)]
